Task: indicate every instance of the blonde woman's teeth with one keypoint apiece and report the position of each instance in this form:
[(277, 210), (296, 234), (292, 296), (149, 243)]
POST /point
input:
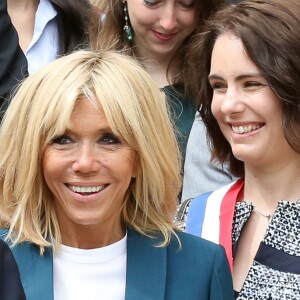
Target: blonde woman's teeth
[(86, 189)]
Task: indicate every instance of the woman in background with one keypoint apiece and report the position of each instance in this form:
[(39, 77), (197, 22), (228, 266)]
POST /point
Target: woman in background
[(249, 71), (158, 34), (49, 28), (34, 33)]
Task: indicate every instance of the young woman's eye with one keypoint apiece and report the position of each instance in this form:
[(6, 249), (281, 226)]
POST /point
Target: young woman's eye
[(62, 140), (254, 84), (150, 3), (217, 85), (187, 4)]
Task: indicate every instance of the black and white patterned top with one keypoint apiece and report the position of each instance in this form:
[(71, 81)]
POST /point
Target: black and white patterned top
[(275, 272)]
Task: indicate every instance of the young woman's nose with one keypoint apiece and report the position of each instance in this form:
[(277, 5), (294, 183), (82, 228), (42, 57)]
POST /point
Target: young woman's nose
[(168, 18), (232, 102)]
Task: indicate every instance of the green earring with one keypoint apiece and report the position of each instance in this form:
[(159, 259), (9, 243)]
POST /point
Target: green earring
[(128, 33)]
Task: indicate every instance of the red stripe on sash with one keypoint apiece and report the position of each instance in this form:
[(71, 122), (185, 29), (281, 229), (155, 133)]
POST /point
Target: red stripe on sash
[(226, 219)]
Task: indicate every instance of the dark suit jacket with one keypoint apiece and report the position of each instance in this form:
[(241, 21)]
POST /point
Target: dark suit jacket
[(197, 271), (13, 63), (10, 281)]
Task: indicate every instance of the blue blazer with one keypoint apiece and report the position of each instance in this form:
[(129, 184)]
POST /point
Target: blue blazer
[(199, 270), (10, 281)]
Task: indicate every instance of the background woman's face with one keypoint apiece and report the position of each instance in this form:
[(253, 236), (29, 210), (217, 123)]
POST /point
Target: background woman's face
[(161, 26), (88, 169), (247, 110)]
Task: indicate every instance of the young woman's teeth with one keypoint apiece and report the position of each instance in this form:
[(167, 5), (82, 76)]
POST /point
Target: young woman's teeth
[(245, 129), (86, 189)]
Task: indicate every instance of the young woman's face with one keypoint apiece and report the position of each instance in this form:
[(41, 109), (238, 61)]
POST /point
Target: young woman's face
[(89, 169), (161, 26), (247, 110)]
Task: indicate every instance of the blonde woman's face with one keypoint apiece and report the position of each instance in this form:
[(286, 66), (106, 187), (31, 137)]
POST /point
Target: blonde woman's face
[(88, 169), (160, 27)]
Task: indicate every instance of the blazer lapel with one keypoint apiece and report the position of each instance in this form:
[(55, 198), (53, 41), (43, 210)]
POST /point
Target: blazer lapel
[(145, 276), (146, 268), (36, 271)]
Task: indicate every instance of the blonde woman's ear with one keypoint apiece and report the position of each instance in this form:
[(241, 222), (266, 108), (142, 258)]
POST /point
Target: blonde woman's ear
[(136, 166)]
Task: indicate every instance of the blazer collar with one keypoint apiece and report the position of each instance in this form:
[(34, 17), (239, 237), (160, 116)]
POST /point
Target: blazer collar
[(145, 276), (146, 268), (36, 271)]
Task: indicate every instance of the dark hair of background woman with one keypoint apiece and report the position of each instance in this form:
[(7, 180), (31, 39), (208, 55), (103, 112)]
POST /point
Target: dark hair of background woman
[(74, 19)]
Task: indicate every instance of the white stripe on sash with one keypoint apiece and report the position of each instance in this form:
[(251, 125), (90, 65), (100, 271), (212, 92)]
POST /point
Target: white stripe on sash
[(211, 222)]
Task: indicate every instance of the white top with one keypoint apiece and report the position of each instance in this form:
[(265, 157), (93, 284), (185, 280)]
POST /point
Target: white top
[(44, 45), (90, 274)]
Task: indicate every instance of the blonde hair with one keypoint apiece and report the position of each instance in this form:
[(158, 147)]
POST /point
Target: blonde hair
[(135, 109)]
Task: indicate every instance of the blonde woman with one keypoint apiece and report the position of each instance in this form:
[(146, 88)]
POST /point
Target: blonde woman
[(89, 186)]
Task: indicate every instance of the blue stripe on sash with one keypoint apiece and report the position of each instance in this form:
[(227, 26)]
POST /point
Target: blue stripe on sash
[(196, 214)]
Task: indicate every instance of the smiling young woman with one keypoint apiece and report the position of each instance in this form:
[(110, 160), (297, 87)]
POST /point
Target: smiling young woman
[(248, 65)]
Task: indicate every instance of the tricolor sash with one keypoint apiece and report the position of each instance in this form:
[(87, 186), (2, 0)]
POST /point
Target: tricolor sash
[(210, 216)]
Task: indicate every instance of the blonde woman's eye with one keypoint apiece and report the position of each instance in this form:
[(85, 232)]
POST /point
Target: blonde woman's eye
[(109, 139), (62, 140)]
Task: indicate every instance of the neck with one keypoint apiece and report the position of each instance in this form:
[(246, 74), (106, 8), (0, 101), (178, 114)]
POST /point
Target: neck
[(156, 66), (91, 237), (264, 188), (22, 14), (24, 4), (157, 72)]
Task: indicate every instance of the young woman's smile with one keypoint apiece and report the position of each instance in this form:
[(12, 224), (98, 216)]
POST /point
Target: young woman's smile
[(246, 108)]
